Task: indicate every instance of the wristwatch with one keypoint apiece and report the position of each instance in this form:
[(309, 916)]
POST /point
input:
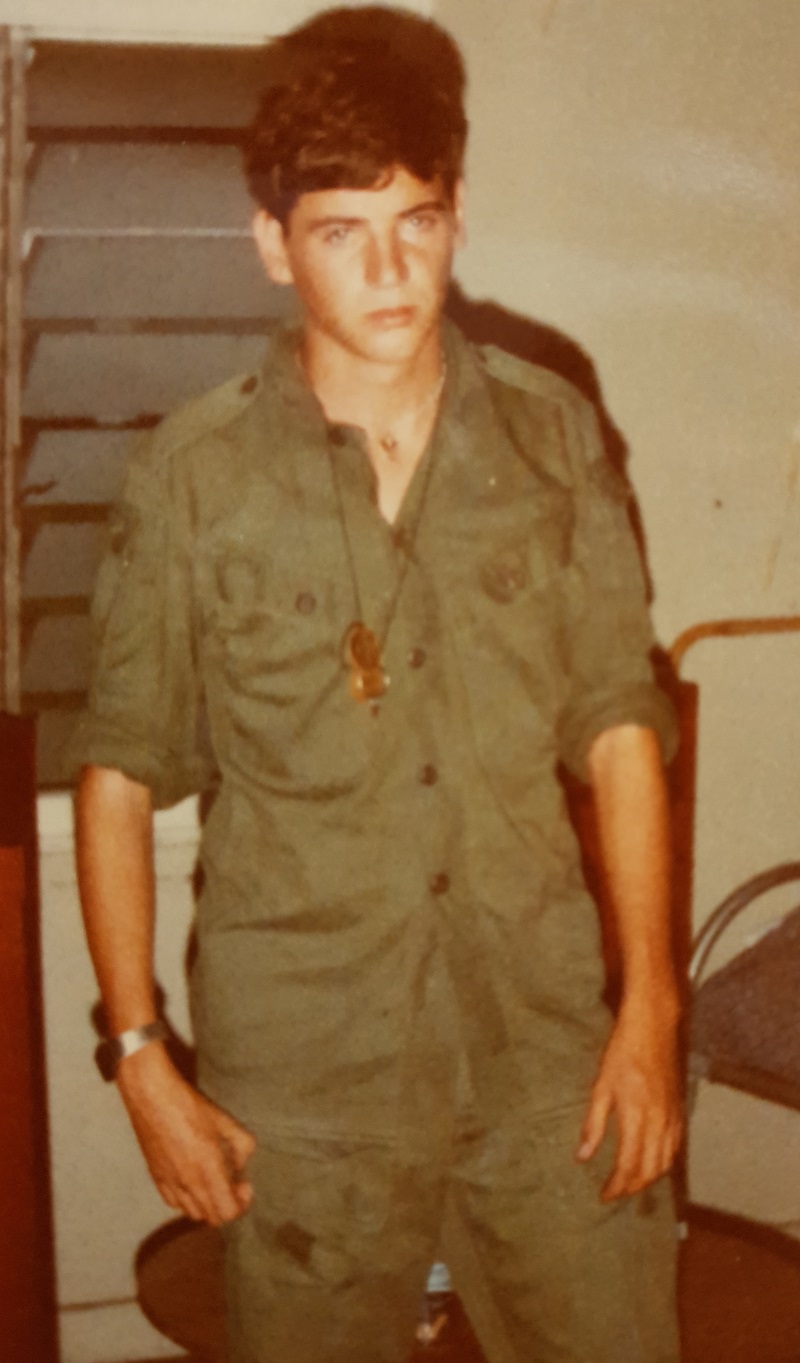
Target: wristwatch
[(115, 1048)]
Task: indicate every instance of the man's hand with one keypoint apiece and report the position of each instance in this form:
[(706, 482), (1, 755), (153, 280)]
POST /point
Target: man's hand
[(195, 1151), (638, 1082)]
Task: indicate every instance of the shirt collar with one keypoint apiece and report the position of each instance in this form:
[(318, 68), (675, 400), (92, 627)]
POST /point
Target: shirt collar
[(286, 388)]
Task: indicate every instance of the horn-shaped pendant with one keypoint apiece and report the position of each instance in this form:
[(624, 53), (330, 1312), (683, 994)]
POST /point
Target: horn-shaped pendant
[(368, 681)]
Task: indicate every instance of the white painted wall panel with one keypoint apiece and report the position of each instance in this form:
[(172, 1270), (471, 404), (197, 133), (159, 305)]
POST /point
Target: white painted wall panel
[(126, 185), (117, 378), (180, 21), (76, 466), (105, 1204)]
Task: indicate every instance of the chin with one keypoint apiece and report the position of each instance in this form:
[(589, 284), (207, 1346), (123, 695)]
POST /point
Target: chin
[(401, 343)]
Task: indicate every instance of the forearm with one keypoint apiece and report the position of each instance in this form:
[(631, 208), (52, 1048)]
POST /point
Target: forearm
[(633, 820), (115, 875), (638, 1079), (195, 1151)]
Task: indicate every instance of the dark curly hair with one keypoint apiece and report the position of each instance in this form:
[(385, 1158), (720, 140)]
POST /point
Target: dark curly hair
[(349, 95)]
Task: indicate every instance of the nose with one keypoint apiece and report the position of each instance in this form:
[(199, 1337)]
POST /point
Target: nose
[(386, 262)]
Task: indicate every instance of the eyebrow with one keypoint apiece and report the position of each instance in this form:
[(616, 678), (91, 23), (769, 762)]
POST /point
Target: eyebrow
[(429, 205), (341, 220)]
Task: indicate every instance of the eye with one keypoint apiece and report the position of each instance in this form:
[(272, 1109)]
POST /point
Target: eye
[(423, 222), (334, 236)]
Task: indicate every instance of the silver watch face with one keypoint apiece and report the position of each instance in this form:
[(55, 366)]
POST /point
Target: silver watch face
[(115, 1048)]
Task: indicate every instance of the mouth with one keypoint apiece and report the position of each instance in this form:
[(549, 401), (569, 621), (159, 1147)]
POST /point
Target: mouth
[(387, 319)]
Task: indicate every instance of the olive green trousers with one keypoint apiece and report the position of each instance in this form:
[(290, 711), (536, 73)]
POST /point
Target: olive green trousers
[(331, 1263)]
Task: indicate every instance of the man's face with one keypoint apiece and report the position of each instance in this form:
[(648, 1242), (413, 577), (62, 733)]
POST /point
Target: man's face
[(370, 266)]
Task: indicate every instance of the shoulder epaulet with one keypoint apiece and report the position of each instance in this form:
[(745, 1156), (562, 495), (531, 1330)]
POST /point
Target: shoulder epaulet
[(582, 449), (530, 378), (208, 414)]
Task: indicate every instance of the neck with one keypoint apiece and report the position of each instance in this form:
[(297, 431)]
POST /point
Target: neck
[(373, 394)]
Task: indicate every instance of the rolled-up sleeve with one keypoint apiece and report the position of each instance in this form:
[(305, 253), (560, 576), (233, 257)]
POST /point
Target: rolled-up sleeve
[(145, 715), (610, 636)]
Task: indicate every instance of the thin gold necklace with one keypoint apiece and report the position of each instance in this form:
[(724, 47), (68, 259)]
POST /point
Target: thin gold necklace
[(362, 647), (390, 442)]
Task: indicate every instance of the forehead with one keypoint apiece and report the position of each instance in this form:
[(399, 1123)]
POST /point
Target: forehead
[(394, 193)]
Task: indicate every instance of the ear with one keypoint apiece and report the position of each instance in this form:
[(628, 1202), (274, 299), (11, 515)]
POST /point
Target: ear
[(459, 214), (271, 244)]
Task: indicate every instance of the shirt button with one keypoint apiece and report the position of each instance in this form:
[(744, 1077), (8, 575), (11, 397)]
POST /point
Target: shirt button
[(416, 657), (250, 385), (440, 883), (401, 540), (428, 774), (337, 436), (306, 603)]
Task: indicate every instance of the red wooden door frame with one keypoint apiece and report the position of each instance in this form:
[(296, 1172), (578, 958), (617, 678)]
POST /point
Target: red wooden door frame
[(28, 1322)]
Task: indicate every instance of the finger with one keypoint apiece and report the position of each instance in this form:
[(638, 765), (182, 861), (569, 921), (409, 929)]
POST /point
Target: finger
[(223, 1203), (221, 1187), (660, 1154), (672, 1145), (628, 1162), (239, 1142), (182, 1199), (660, 1151), (622, 1179), (652, 1162), (203, 1190), (168, 1196), (235, 1157), (241, 1188), (245, 1142), (243, 1192), (193, 1208), (595, 1124)]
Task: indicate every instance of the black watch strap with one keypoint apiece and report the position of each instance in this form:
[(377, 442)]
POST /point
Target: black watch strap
[(115, 1048)]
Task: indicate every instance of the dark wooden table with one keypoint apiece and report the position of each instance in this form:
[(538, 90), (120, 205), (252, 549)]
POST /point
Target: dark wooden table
[(739, 1289)]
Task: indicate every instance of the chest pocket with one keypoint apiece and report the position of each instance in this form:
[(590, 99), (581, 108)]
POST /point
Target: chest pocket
[(262, 622), (526, 545), (279, 705), (533, 560), (512, 593)]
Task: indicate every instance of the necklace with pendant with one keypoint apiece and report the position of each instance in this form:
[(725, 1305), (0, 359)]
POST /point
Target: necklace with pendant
[(389, 442), (362, 647), (362, 651)]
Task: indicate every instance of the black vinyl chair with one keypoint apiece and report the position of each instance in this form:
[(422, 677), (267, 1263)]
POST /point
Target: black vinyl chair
[(740, 1280), (745, 1019)]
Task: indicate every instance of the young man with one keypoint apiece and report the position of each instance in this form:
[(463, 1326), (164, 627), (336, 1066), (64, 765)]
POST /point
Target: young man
[(376, 593)]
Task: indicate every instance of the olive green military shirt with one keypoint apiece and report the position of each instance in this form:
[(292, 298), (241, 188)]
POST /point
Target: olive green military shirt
[(381, 891)]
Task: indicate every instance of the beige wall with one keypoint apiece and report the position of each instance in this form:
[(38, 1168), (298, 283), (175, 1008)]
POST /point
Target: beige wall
[(635, 182)]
